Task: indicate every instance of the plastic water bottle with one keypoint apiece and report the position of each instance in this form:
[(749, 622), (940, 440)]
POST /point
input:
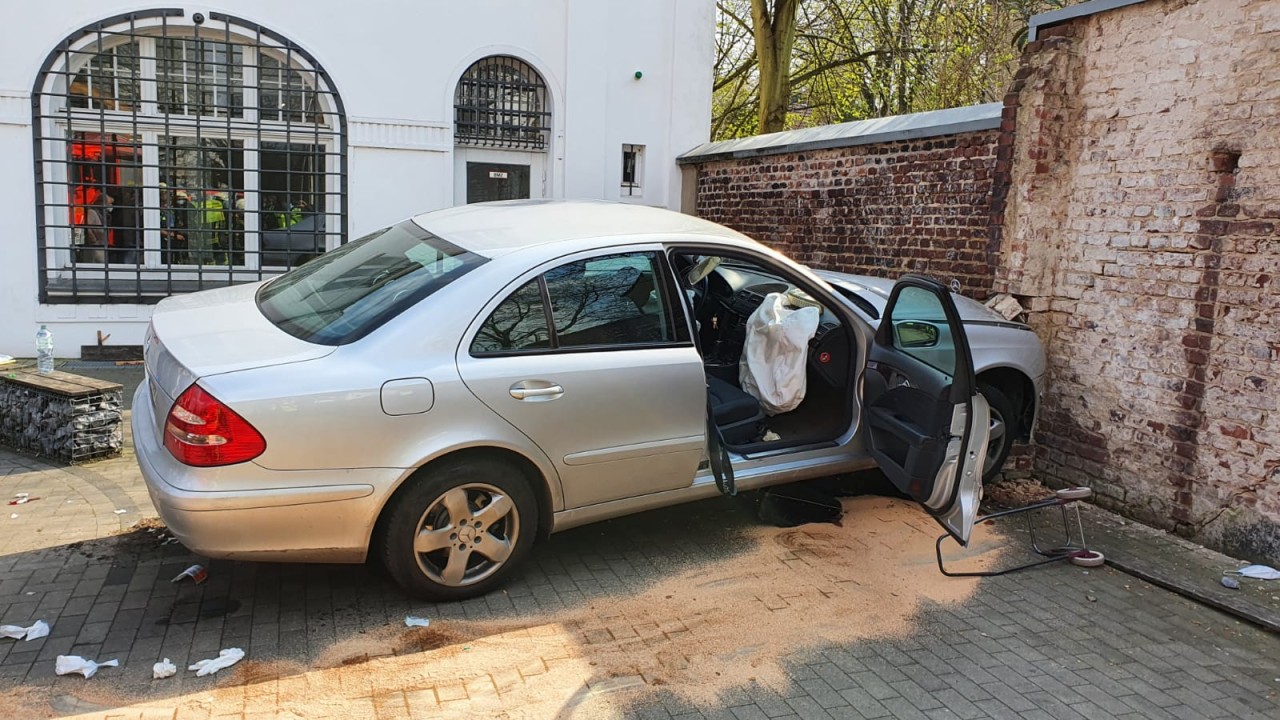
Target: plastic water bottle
[(44, 350)]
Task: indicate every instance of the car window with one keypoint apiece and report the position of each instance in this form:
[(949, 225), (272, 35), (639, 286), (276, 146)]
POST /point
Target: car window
[(921, 329), (519, 323), (345, 294), (608, 301)]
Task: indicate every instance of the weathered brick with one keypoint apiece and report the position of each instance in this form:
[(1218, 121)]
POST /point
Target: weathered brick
[(922, 205), (1141, 133)]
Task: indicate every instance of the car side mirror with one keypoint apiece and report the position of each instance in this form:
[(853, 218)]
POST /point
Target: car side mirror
[(912, 334)]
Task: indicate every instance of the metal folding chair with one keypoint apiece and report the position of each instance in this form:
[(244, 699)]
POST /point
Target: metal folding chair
[(1075, 550)]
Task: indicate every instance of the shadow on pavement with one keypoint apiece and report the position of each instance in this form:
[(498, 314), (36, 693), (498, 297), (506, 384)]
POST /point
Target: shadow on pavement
[(113, 598), (693, 609)]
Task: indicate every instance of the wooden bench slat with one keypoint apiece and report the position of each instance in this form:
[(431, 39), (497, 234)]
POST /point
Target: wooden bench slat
[(61, 383)]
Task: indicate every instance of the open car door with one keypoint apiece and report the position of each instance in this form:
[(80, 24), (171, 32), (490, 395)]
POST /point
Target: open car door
[(927, 425)]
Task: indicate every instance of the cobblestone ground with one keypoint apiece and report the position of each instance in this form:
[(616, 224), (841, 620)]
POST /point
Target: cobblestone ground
[(330, 641)]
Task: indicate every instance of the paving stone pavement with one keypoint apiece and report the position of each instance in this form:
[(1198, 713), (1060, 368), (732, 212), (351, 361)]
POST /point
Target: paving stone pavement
[(1056, 642)]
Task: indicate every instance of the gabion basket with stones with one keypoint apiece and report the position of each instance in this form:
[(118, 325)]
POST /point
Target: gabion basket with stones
[(54, 425)]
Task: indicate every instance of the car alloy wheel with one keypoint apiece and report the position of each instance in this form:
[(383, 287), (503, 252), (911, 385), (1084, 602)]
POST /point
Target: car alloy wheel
[(997, 440), (459, 527), (466, 534), (1001, 432)]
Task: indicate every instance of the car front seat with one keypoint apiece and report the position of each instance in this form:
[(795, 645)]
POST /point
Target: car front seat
[(737, 414)]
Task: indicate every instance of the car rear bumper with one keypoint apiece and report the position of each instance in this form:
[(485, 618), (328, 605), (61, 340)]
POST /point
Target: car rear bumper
[(295, 516)]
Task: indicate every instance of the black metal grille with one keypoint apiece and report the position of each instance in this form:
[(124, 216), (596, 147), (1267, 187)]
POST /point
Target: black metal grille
[(501, 101), (174, 156)]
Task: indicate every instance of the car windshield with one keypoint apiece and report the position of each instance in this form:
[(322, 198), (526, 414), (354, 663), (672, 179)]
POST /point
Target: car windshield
[(344, 295)]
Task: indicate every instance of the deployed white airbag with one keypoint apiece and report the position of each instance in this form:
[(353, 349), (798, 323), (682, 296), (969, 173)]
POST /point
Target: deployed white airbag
[(772, 368)]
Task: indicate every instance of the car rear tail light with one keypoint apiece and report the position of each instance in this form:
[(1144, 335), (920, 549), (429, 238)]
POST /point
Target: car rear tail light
[(202, 431)]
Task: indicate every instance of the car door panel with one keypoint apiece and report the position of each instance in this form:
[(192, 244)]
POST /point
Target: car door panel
[(625, 422), (584, 360), (926, 424)]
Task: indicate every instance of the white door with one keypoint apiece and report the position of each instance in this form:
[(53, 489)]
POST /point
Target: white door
[(482, 174)]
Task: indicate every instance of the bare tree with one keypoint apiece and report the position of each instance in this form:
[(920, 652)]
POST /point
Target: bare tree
[(774, 28), (855, 59)]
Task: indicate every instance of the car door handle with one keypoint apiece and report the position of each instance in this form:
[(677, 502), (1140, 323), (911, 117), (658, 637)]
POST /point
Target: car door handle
[(523, 391)]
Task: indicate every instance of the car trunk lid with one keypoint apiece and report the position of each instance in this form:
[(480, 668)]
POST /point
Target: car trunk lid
[(212, 333)]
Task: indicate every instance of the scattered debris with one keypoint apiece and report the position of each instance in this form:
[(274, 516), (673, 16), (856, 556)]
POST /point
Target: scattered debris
[(22, 499), (1091, 598), (225, 659), (150, 524), (1006, 305), (1256, 572), (38, 629), (67, 664), (1016, 492), (163, 669), (120, 511), (13, 516), (1230, 582), (771, 436), (412, 621), (197, 573)]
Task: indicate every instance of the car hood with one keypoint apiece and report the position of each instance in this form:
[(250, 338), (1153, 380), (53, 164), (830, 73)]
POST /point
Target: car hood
[(214, 332), (876, 291)]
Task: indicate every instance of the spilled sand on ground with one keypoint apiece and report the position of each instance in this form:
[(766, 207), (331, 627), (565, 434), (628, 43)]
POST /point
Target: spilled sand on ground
[(696, 634)]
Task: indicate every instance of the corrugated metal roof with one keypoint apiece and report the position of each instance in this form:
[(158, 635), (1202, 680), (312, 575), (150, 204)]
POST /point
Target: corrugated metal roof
[(861, 132)]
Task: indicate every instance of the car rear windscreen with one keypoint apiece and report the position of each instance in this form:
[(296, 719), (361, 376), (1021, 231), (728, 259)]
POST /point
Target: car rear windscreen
[(345, 294)]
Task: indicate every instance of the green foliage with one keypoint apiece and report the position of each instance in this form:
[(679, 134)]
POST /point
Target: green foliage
[(859, 59)]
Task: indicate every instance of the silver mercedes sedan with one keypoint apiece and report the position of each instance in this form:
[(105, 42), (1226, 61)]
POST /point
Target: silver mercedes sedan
[(438, 394)]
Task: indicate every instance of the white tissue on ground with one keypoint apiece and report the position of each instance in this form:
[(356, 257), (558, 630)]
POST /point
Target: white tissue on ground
[(67, 664), (163, 669), (412, 621), (38, 629), (225, 659), (1257, 572)]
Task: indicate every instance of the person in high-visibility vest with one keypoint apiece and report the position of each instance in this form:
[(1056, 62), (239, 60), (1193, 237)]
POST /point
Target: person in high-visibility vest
[(211, 215), (214, 215), (296, 211)]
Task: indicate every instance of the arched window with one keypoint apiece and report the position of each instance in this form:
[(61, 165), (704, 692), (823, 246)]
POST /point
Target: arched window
[(178, 153), (501, 102)]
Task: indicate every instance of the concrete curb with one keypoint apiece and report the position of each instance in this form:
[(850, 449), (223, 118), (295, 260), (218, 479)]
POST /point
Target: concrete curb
[(1181, 566), (1244, 611)]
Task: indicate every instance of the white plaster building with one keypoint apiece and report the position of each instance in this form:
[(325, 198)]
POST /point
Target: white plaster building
[(155, 149)]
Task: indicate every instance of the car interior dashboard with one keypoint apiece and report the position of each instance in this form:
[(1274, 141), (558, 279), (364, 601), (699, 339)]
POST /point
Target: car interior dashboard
[(723, 300), (733, 294)]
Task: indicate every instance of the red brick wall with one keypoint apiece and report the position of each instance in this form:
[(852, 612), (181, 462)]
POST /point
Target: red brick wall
[(1131, 200), (1141, 229), (911, 206)]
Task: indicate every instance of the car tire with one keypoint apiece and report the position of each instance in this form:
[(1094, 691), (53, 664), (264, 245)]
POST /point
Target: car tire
[(1004, 428), (460, 529)]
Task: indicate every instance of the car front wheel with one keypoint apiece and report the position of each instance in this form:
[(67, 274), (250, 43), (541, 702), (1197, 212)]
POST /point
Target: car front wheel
[(460, 529), (1003, 429)]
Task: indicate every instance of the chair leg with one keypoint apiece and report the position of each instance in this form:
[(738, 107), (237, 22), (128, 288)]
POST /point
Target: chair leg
[(1077, 553)]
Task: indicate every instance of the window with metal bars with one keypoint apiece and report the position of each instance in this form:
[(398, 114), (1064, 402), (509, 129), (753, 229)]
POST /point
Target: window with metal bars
[(176, 154), (501, 101)]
